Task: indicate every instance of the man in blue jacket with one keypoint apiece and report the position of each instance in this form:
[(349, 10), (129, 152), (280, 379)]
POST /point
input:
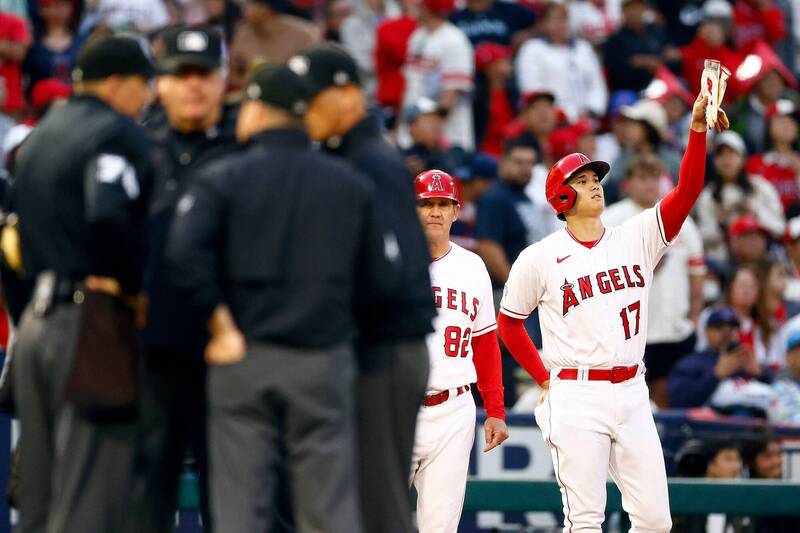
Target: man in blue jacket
[(697, 375)]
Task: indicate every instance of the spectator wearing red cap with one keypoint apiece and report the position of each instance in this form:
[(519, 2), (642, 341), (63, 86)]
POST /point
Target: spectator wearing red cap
[(565, 66), (710, 42), (780, 163), (732, 193), (761, 79), (45, 95), (497, 21), (538, 119), (756, 20), (55, 50), (391, 50), (14, 42), (493, 107), (440, 65)]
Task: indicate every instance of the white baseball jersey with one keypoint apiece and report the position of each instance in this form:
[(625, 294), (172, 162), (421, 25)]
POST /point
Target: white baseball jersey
[(462, 292), (670, 293), (592, 301), (442, 60)]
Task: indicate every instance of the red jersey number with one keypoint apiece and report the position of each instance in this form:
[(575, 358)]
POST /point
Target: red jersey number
[(456, 342), (634, 309)]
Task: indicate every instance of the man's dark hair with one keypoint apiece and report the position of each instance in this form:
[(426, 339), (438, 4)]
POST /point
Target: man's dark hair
[(520, 142)]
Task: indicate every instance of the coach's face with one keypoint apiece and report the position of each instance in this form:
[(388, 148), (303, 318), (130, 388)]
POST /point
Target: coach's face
[(591, 200), (437, 216)]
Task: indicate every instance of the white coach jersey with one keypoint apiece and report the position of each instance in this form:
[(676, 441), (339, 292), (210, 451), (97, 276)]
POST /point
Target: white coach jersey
[(592, 301), (462, 292)]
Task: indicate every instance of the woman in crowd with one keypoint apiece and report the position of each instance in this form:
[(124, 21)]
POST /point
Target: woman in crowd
[(732, 192), (780, 163), (56, 46)]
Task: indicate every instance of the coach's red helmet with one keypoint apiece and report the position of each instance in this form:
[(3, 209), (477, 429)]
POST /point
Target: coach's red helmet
[(436, 184), (561, 196)]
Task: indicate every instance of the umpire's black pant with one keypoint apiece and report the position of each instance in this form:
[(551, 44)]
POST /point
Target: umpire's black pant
[(173, 420), (392, 379), (75, 472)]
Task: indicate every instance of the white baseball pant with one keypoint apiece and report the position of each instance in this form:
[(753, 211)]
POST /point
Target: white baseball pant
[(442, 446), (597, 428)]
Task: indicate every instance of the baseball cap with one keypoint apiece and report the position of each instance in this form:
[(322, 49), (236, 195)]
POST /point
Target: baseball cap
[(482, 166), (191, 46), (793, 340), (530, 97), (717, 9), (113, 55), (744, 224), (793, 229), (325, 65), (732, 140), (489, 52), (650, 112), (782, 107), (722, 316), (47, 90), (422, 106), (278, 86)]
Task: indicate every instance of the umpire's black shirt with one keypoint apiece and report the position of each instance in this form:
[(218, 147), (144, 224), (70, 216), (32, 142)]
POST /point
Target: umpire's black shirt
[(174, 326), (405, 307), (80, 193), (285, 236)]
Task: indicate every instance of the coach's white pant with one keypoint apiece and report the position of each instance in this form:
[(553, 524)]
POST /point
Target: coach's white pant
[(595, 428), (442, 445)]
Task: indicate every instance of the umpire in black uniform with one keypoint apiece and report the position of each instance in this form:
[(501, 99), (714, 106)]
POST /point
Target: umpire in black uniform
[(393, 357), (80, 195), (190, 127), (279, 246)]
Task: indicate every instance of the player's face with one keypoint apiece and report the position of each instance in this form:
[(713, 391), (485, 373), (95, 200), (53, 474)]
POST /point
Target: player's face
[(591, 200), (192, 97), (437, 216)]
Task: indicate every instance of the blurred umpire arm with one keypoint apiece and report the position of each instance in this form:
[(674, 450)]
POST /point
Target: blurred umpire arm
[(194, 256)]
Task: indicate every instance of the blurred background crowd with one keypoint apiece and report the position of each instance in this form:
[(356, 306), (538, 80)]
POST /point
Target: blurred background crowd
[(496, 91)]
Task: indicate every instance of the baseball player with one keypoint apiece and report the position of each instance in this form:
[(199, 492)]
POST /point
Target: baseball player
[(462, 347), (591, 286)]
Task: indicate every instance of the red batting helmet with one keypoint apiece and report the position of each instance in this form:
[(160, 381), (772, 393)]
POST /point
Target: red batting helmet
[(436, 184), (562, 197)]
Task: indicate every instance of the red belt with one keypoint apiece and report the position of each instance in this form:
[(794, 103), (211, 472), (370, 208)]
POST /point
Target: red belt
[(441, 397), (617, 374)]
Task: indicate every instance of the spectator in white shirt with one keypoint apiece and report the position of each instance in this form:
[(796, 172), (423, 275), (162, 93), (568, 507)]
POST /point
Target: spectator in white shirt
[(567, 67), (440, 66), (676, 294)]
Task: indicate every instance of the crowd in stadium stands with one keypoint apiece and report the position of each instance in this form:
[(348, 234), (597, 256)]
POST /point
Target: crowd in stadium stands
[(496, 91)]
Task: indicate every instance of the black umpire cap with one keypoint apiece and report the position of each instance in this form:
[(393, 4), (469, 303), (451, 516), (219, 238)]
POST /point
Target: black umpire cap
[(279, 86), (325, 65), (191, 46), (118, 54)]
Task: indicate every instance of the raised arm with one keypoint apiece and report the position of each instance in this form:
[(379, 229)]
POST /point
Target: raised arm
[(677, 205)]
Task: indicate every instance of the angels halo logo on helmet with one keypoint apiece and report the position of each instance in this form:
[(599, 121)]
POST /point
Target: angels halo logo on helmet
[(436, 184), (561, 196)]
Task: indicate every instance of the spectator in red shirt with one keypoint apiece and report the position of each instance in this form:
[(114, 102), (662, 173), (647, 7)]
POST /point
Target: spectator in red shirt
[(710, 42), (780, 164), (391, 44), (492, 107), (756, 20), (14, 42)]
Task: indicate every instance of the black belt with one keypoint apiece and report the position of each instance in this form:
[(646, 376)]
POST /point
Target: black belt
[(53, 288)]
